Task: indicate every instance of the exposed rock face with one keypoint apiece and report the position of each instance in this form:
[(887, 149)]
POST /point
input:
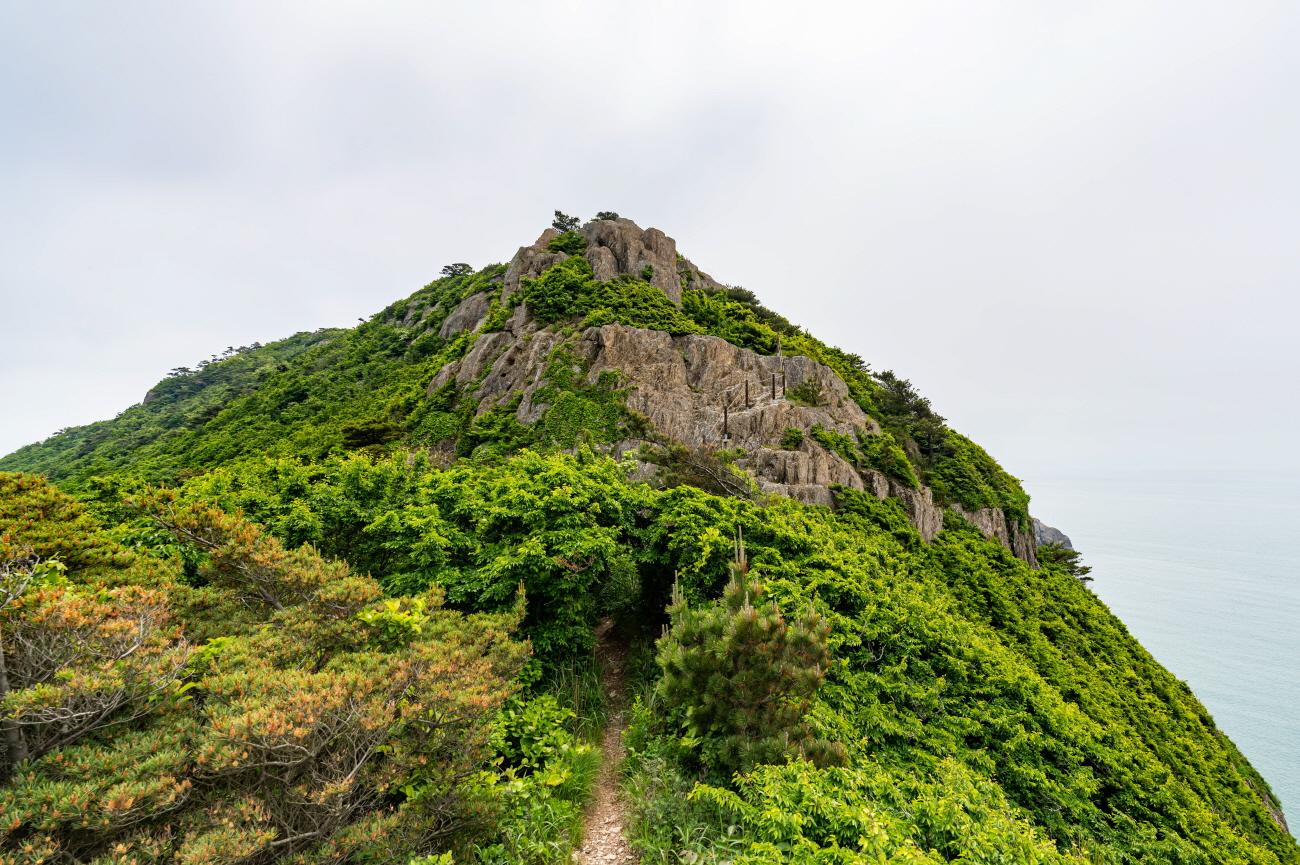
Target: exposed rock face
[(619, 246), (615, 247), (468, 315), (530, 261), (993, 523), (1045, 534), (693, 390), (692, 277), (697, 390)]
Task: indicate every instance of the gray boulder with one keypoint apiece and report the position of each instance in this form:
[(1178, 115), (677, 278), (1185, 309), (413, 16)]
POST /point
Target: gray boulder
[(1045, 534)]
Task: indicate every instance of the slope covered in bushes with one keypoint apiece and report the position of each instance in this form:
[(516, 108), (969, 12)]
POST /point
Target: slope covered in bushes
[(979, 705), (301, 606)]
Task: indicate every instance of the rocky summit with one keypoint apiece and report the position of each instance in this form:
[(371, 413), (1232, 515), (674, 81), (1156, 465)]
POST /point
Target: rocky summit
[(695, 389)]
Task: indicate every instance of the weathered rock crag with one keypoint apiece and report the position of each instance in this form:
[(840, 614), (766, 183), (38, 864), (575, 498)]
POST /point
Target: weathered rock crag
[(697, 390), (1045, 534), (615, 247)]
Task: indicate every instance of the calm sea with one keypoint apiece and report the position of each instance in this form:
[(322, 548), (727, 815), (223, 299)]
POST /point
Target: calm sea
[(1205, 571)]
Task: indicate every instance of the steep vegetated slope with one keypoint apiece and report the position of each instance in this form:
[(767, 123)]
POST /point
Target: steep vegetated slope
[(589, 430)]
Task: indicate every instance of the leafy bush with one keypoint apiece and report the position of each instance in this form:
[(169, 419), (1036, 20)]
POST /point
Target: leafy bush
[(539, 795), (567, 290), (570, 242), (882, 452), (836, 442), (792, 438), (807, 393)]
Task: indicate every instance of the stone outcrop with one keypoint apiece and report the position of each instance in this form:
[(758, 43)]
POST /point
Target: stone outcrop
[(692, 389), (468, 315), (692, 277), (615, 247), (530, 261), (994, 523), (1045, 534), (701, 391)]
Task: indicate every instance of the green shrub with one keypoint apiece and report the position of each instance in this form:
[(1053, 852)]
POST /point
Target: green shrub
[(837, 443), (792, 438), (567, 290), (366, 433), (570, 242), (741, 678), (882, 452), (807, 393)]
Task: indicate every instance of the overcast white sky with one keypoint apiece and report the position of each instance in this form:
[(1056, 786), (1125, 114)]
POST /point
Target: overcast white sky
[(1074, 226)]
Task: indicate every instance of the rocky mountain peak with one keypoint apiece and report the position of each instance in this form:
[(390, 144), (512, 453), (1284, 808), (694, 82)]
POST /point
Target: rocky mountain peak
[(614, 248)]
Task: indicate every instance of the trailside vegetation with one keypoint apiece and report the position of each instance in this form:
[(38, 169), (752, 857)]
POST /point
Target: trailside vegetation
[(275, 706), (1007, 698), (739, 678)]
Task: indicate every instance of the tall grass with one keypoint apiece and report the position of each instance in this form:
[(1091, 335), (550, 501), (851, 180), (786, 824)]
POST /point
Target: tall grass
[(577, 685)]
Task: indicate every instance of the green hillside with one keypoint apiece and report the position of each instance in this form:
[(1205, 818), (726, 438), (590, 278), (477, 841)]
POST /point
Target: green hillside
[(318, 601)]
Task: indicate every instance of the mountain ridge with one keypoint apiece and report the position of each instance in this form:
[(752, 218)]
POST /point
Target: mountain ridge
[(559, 439), (493, 308)]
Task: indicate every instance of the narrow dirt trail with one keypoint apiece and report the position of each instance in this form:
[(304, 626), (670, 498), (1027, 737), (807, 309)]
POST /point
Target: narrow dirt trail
[(604, 842)]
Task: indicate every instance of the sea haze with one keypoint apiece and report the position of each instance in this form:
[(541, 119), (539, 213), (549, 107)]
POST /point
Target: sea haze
[(1204, 568)]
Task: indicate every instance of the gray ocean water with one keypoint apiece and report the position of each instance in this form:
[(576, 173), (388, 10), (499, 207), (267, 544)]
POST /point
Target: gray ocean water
[(1204, 568)]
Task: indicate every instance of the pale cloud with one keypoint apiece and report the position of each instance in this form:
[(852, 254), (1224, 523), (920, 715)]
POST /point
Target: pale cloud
[(1072, 225)]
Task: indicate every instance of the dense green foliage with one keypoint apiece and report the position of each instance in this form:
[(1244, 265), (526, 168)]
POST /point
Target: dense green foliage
[(1010, 695), (293, 398), (273, 708), (569, 291), (1007, 696), (357, 626), (477, 531)]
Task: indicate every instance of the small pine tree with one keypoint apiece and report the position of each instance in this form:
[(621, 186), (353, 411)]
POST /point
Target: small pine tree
[(742, 678), (1061, 558), (458, 268), (564, 222)]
